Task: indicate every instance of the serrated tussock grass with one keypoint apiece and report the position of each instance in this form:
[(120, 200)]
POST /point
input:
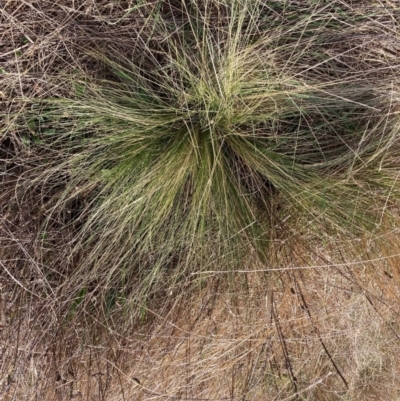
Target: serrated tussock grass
[(222, 123)]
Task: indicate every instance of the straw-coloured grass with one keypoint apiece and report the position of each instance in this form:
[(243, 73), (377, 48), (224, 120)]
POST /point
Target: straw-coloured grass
[(170, 164)]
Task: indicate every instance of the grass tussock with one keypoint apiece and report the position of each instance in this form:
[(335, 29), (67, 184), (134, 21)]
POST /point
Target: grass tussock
[(218, 125), (169, 171)]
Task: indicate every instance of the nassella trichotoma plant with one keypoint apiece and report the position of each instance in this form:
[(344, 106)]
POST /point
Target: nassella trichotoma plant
[(225, 121)]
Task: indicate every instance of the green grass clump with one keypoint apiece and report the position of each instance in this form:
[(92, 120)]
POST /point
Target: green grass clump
[(222, 122)]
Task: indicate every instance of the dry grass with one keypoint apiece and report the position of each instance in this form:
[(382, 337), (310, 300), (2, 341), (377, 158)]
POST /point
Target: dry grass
[(328, 333), (319, 321)]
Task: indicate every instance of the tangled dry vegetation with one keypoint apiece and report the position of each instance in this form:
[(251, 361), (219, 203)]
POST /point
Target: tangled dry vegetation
[(199, 200)]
